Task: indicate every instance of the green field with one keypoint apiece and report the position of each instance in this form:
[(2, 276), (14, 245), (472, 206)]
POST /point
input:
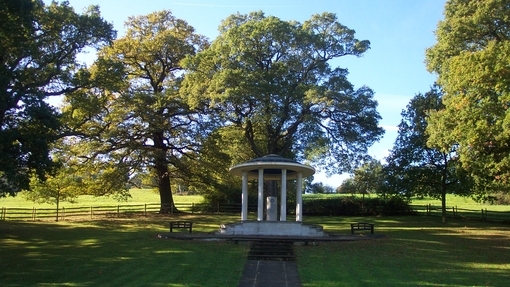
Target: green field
[(416, 251), (18, 208), (137, 196), (151, 196)]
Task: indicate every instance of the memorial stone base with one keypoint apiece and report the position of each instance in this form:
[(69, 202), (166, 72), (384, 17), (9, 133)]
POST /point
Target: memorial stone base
[(272, 228)]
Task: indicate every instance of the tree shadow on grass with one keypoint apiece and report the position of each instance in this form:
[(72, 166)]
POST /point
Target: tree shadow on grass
[(416, 251), (111, 253)]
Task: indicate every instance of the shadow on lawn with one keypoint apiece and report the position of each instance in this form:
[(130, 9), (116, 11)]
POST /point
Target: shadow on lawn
[(417, 251), (110, 253)]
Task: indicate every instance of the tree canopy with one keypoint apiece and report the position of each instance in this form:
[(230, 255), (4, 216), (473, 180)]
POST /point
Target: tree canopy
[(472, 60), (38, 49), (135, 120), (413, 168), (270, 81)]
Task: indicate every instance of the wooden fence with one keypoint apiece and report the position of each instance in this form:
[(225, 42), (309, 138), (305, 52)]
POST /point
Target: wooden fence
[(91, 212), (455, 212)]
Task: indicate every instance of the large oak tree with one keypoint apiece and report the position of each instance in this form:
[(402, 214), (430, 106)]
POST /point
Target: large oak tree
[(472, 61), (38, 48), (272, 82), (136, 120)]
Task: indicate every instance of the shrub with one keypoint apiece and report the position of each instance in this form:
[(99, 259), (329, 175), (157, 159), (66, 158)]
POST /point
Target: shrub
[(354, 206)]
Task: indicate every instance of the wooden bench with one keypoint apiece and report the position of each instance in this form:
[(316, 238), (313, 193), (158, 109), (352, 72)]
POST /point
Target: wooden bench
[(181, 224), (362, 226)]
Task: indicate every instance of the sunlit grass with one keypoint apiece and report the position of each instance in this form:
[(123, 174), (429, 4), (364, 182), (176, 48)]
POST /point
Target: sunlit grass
[(416, 251), (461, 202), (138, 196), (120, 252)]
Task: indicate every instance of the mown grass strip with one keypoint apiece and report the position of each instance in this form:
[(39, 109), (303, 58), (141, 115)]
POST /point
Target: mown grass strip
[(417, 251), (112, 253)]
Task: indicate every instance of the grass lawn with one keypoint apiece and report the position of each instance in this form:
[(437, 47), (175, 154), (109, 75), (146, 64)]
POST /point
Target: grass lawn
[(417, 251), (121, 252), (137, 196)]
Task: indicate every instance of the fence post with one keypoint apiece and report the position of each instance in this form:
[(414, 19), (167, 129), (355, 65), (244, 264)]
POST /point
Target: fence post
[(145, 210), (33, 214), (118, 210), (483, 215), (63, 213), (91, 212)]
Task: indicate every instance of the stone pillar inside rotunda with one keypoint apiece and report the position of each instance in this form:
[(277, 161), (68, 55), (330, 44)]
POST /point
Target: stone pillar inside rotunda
[(268, 171)]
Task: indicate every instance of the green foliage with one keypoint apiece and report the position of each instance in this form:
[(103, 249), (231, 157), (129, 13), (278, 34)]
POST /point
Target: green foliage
[(135, 121), (348, 186), (270, 81), (62, 187), (355, 206), (414, 169), (38, 49), (369, 178), (471, 58), (319, 187), (211, 178)]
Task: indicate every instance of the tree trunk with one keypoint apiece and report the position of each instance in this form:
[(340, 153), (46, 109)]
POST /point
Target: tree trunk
[(165, 191), (444, 190), (443, 205), (161, 167)]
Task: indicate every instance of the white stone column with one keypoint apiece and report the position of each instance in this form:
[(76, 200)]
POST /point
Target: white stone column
[(260, 205), (299, 197), (283, 204), (244, 199)]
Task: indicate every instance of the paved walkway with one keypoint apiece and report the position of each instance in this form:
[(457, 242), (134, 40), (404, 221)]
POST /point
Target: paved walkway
[(266, 273)]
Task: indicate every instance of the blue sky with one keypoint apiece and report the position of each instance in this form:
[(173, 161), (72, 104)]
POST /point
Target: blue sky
[(399, 32)]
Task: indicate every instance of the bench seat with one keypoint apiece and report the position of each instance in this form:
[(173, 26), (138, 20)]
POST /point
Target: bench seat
[(362, 226), (181, 224)]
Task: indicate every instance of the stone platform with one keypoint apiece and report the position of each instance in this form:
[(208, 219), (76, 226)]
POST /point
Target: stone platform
[(272, 228)]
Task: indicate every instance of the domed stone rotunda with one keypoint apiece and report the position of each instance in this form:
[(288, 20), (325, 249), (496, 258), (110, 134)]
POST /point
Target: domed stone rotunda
[(277, 168)]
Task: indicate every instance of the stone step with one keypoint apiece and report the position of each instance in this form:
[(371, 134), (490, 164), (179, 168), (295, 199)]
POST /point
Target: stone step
[(272, 250)]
